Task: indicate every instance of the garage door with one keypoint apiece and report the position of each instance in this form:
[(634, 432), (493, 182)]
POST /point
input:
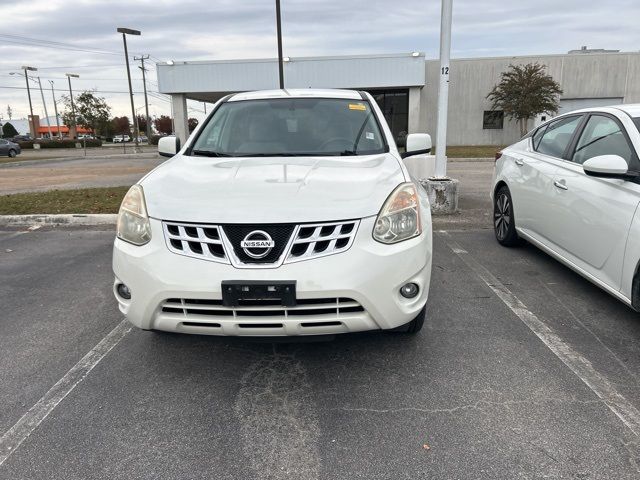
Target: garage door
[(569, 104)]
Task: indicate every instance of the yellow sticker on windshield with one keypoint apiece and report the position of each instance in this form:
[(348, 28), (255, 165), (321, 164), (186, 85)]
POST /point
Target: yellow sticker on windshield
[(357, 106)]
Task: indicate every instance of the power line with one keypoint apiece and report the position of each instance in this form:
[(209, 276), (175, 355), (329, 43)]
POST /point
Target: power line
[(35, 42), (65, 90)]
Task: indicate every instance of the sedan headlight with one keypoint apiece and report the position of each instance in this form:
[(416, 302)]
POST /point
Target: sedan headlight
[(399, 218), (133, 221)]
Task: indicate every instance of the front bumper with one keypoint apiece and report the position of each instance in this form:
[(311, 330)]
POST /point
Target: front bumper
[(369, 273)]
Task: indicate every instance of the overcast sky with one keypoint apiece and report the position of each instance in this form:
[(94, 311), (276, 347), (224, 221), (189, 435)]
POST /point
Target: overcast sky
[(225, 29)]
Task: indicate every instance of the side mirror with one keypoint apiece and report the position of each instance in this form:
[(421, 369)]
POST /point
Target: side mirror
[(168, 146), (606, 166), (417, 144)]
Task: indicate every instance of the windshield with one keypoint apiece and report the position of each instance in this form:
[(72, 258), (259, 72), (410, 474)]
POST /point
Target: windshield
[(291, 127)]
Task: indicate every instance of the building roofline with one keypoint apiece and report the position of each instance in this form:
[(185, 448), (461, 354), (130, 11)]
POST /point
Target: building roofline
[(293, 59), (558, 55)]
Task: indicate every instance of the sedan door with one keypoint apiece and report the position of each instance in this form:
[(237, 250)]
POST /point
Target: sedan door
[(4, 147), (532, 175), (595, 213)]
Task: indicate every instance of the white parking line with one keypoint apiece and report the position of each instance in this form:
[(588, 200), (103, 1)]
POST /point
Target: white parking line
[(578, 364), (17, 434)]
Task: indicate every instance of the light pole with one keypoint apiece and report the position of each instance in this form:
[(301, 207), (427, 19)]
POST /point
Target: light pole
[(44, 104), (73, 108), (55, 109), (125, 32), (442, 190), (26, 79), (279, 32), (144, 86)]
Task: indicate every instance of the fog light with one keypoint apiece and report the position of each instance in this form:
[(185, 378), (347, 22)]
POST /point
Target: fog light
[(409, 290), (124, 291)]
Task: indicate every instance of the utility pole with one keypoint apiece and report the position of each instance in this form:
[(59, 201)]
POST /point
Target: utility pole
[(55, 109), (125, 32), (73, 107), (279, 32), (144, 86), (46, 114), (32, 128)]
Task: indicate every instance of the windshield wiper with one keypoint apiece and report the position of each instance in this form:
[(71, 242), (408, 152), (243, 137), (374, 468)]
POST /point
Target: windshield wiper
[(209, 153), (348, 153)]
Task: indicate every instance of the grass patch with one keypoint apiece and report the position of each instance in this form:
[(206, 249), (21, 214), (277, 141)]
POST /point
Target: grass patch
[(473, 151), (86, 200)]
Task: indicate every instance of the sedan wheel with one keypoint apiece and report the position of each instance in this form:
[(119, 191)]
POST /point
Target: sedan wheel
[(12, 153), (503, 221)]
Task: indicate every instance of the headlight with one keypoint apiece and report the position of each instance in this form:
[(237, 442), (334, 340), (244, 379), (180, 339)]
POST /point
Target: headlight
[(133, 221), (399, 218)]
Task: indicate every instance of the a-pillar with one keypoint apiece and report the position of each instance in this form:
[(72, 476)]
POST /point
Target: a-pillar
[(180, 118)]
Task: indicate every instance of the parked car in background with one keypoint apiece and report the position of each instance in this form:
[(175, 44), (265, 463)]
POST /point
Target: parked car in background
[(85, 136), (143, 139), (21, 138), (121, 138), (572, 188), (9, 148), (284, 213)]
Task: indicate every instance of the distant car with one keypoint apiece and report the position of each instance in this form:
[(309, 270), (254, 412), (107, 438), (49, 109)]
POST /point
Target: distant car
[(572, 188), (85, 136), (143, 138), (9, 148), (21, 138), (121, 138)]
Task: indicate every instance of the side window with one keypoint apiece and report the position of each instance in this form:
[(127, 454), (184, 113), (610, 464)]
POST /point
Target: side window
[(602, 136), (557, 136), (537, 136)]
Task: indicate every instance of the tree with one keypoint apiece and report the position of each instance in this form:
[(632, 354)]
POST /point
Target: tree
[(193, 123), (525, 91), (163, 124), (142, 123), (121, 125), (92, 112), (9, 131)]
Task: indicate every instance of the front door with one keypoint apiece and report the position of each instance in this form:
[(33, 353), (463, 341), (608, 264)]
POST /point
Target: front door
[(594, 213)]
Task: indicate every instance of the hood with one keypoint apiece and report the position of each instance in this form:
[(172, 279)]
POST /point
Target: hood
[(270, 190)]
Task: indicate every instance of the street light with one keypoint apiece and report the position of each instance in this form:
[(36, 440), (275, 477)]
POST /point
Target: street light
[(73, 108), (26, 79), (279, 32), (55, 109), (125, 32)]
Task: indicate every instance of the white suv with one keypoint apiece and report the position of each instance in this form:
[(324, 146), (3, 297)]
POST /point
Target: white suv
[(285, 213)]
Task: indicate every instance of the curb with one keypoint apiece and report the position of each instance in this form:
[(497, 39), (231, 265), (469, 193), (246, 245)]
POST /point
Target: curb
[(32, 161), (59, 220)]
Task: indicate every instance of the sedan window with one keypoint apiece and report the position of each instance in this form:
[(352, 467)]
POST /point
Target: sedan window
[(557, 136), (602, 136), (3, 142)]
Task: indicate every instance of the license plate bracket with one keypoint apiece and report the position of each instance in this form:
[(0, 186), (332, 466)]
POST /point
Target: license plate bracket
[(235, 291)]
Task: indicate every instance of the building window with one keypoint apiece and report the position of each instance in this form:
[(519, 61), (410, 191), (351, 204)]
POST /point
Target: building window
[(395, 108), (493, 120)]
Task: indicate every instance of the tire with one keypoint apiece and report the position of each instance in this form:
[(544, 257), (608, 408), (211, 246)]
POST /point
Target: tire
[(415, 325), (504, 225), (12, 153)]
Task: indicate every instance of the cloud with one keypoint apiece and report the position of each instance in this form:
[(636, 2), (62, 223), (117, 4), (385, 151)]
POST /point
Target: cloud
[(228, 29)]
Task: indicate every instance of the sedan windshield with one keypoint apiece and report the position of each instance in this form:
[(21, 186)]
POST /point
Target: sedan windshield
[(291, 127)]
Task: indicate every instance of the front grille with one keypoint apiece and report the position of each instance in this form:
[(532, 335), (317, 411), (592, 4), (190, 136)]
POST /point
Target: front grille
[(192, 240), (280, 234), (319, 310), (291, 243), (317, 240)]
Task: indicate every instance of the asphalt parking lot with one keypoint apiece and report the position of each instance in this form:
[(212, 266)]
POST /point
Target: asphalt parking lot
[(523, 370)]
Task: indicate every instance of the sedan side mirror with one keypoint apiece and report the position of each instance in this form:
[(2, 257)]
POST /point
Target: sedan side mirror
[(606, 166), (168, 146), (417, 144)]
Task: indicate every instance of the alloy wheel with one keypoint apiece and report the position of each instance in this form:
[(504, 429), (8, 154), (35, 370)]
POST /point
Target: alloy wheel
[(502, 216)]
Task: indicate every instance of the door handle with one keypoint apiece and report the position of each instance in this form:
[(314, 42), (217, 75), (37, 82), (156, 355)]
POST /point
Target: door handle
[(561, 185), (519, 162)]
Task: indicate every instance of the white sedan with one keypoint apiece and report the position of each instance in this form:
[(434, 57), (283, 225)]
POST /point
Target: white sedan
[(286, 212), (572, 188)]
